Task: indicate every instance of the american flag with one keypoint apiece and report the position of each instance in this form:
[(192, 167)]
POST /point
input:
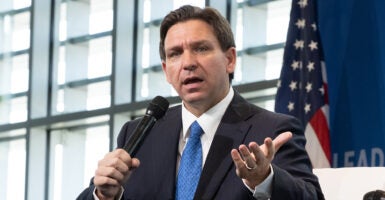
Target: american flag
[(302, 87)]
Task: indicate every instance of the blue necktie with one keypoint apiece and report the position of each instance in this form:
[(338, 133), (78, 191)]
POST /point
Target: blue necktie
[(190, 165)]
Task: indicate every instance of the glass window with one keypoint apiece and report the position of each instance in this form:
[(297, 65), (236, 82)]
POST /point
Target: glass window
[(14, 31), (19, 73), (12, 164), (101, 16), (20, 31), (14, 61), (260, 34), (84, 62), (13, 87), (74, 156)]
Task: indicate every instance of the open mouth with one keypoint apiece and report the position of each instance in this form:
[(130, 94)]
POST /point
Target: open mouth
[(192, 80)]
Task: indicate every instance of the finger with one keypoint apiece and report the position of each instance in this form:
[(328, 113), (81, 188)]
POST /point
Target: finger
[(122, 154), (135, 163), (238, 162), (263, 155), (282, 139), (270, 148), (132, 163), (248, 157), (110, 172), (257, 152), (104, 181), (126, 161), (107, 176), (237, 159), (240, 166), (115, 163)]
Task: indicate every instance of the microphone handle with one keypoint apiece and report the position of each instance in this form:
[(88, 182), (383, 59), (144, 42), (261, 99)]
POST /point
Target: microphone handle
[(140, 132)]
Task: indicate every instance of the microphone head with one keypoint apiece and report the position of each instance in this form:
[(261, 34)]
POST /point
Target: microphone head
[(157, 107)]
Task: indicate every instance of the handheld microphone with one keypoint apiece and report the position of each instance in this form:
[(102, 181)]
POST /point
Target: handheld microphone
[(155, 110)]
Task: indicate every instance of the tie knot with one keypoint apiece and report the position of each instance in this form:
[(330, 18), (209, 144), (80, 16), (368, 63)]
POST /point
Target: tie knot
[(195, 130)]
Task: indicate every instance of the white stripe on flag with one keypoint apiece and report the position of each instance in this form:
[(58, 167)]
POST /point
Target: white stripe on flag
[(314, 149), (325, 111)]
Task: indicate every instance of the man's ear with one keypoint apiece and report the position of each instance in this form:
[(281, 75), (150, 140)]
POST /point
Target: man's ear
[(231, 55), (164, 68)]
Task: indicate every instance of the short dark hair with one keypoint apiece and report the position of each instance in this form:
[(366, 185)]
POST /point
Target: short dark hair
[(221, 27)]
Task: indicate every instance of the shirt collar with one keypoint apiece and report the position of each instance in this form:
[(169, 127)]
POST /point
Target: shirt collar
[(209, 121)]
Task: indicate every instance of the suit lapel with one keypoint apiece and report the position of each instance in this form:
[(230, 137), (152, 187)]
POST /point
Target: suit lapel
[(230, 134), (164, 153)]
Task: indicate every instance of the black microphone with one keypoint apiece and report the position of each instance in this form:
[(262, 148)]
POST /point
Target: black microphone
[(155, 110)]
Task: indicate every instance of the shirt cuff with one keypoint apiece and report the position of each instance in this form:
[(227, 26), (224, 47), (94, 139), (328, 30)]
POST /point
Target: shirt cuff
[(120, 195), (263, 190)]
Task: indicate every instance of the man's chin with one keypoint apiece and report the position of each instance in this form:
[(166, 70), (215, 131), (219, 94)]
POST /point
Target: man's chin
[(194, 99)]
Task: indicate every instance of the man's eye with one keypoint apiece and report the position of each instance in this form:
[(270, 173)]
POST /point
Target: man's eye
[(202, 49), (173, 54)]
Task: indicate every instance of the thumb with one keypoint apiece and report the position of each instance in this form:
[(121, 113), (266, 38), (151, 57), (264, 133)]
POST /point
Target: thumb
[(282, 139)]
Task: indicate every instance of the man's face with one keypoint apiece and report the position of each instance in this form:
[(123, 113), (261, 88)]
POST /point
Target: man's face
[(196, 66)]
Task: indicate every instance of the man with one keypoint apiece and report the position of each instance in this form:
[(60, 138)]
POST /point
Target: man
[(198, 58)]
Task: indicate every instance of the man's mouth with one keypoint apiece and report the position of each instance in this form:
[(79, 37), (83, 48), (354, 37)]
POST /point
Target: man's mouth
[(192, 80)]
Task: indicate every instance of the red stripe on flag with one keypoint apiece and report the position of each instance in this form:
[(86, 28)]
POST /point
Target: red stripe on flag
[(320, 126)]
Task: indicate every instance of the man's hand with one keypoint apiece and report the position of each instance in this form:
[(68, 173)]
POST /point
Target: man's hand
[(113, 170), (253, 162)]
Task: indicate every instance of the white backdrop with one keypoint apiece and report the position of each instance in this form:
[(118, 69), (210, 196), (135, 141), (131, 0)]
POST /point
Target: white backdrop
[(350, 182)]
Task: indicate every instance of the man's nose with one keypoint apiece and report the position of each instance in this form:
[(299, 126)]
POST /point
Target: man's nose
[(189, 61)]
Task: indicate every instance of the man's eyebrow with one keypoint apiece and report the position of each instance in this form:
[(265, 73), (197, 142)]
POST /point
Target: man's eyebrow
[(174, 48), (193, 44), (200, 42)]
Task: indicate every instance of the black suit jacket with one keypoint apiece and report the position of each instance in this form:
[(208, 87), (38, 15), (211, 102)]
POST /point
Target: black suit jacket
[(242, 123)]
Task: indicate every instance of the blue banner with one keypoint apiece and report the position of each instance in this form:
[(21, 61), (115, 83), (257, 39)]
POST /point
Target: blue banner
[(353, 38)]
